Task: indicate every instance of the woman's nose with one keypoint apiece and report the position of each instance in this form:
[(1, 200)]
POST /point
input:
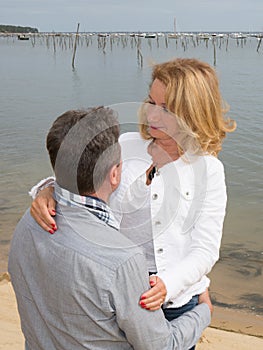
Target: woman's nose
[(153, 113)]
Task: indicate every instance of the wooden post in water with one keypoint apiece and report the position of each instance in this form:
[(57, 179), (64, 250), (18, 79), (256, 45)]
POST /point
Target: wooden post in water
[(166, 41), (54, 42), (75, 47), (214, 44), (227, 43), (139, 53), (259, 43), (33, 40)]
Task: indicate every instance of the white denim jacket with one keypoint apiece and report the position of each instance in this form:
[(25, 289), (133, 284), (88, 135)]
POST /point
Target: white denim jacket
[(177, 220), (182, 210)]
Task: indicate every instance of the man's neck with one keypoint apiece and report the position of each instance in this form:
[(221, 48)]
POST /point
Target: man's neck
[(100, 194)]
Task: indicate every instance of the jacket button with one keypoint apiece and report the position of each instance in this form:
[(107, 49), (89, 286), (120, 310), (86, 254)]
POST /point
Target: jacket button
[(155, 196), (160, 250), (157, 222)]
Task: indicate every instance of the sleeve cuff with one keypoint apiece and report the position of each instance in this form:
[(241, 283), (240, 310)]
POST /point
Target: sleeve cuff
[(48, 182)]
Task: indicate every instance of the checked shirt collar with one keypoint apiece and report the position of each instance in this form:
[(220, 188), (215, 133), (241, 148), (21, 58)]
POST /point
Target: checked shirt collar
[(94, 205)]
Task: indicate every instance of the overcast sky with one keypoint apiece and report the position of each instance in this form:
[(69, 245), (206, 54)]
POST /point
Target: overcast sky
[(134, 15)]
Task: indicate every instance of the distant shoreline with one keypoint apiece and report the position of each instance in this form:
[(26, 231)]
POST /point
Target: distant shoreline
[(151, 34), (11, 29)]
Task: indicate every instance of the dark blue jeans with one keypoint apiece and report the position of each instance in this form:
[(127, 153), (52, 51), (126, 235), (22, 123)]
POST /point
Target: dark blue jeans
[(173, 313)]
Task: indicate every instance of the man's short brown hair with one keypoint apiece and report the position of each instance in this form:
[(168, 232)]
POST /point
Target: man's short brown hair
[(83, 146)]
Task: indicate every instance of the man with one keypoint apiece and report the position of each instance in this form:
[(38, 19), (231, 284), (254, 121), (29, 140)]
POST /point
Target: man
[(80, 288)]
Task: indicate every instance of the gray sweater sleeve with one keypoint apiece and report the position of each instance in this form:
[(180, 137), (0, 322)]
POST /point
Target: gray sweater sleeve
[(149, 330), (187, 329)]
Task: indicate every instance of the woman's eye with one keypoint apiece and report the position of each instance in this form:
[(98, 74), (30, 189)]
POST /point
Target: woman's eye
[(150, 102), (161, 107)]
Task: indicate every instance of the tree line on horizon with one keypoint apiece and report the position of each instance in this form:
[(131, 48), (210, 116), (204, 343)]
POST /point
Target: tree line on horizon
[(16, 29)]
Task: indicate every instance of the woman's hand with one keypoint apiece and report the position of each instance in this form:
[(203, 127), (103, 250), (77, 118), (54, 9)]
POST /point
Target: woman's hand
[(205, 298), (154, 298), (163, 154), (43, 210)]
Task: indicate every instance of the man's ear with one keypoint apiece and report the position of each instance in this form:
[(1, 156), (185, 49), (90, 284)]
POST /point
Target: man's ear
[(115, 175)]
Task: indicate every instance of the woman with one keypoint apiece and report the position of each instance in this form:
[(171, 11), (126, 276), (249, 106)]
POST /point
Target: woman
[(172, 196)]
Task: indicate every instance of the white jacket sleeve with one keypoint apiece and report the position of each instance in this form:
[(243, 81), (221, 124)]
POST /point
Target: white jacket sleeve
[(49, 181)]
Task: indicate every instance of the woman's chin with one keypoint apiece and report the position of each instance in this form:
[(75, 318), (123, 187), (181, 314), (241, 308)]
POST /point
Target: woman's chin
[(157, 134)]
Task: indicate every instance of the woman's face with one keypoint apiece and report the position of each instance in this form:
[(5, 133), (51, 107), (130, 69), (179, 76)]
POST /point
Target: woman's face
[(161, 123)]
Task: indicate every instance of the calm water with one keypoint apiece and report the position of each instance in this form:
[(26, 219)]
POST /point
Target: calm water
[(38, 84)]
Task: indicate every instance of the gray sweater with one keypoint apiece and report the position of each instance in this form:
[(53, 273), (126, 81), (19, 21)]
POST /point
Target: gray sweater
[(80, 289)]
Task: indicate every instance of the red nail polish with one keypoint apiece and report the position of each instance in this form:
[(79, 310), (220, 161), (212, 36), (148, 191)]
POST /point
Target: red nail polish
[(143, 297), (53, 211), (142, 304), (51, 232)]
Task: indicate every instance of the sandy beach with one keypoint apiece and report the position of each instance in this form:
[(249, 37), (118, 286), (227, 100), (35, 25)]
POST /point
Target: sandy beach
[(233, 330)]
